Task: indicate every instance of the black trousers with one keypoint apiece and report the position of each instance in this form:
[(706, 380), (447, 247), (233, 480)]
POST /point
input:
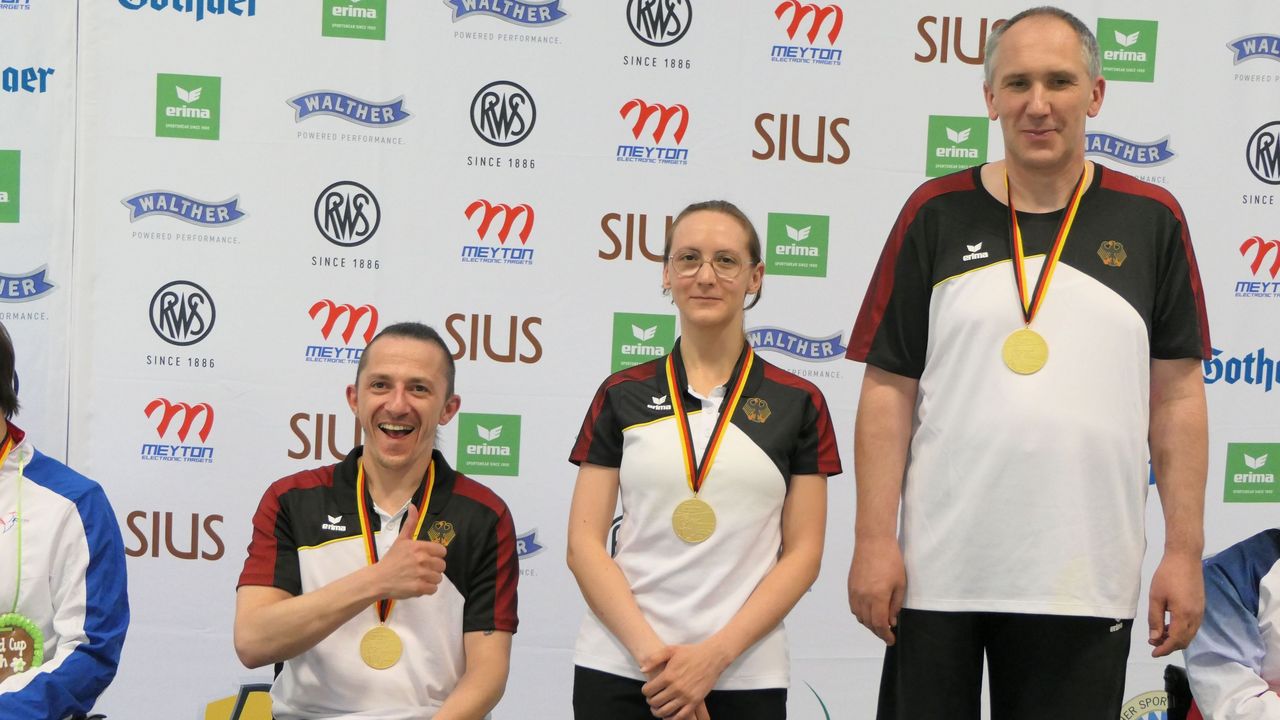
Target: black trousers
[(1047, 667), (604, 696)]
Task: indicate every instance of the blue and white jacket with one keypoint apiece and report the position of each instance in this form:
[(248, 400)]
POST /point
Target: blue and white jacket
[(72, 585), (1234, 661)]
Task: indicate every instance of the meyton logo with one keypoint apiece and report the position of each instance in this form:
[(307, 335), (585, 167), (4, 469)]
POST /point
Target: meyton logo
[(351, 318), (797, 244), (639, 338), (1251, 474), (163, 413), (1250, 47), (1129, 152), (15, 4), (188, 106), (817, 17), (975, 253), (1266, 259), (1128, 49), (31, 79), (1252, 369), (358, 19), (503, 113), (664, 116), (347, 213), (793, 344), (659, 22), (489, 444), (21, 288), (484, 213), (1263, 153), (516, 12), (201, 8), (182, 313), (10, 185), (349, 108), (186, 209), (955, 143)]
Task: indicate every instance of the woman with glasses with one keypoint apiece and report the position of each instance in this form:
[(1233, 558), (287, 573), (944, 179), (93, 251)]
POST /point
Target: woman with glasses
[(721, 460)]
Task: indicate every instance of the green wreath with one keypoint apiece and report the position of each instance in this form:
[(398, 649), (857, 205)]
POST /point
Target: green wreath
[(8, 621)]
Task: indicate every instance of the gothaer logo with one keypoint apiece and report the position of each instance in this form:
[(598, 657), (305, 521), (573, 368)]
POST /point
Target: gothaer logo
[(955, 143), (797, 244), (1251, 473), (1128, 49), (188, 106), (639, 338), (489, 444), (359, 19)]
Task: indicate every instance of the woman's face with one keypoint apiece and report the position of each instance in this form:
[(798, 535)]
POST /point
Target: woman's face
[(709, 270)]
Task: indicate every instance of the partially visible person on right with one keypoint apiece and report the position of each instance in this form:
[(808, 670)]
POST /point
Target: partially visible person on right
[(1233, 663)]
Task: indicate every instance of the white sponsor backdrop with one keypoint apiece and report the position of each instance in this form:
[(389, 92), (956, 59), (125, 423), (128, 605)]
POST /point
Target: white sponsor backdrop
[(534, 339)]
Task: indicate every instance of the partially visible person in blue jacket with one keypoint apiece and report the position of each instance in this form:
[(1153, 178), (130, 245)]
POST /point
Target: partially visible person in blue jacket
[(64, 607)]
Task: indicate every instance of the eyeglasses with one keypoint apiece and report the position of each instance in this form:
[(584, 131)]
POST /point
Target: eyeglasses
[(726, 265)]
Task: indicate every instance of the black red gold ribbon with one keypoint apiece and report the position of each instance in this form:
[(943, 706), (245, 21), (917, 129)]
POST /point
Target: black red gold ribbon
[(421, 500), (695, 472), (1031, 303)]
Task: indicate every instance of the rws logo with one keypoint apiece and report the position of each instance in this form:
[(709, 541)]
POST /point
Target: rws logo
[(358, 19), (484, 214), (673, 117), (945, 37), (184, 208), (639, 338), (955, 143), (1128, 49), (797, 244), (188, 106), (199, 8), (10, 185), (1263, 153), (659, 22), (628, 234), (1252, 369), (809, 21), (1129, 152), (347, 213), (516, 12), (1251, 473), (780, 131), (350, 318), (503, 113), (198, 417), (489, 444), (182, 313), (475, 333), (349, 108)]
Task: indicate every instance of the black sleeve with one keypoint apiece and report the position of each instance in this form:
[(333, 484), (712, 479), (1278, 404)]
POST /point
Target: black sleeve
[(490, 602), (1179, 325), (600, 439)]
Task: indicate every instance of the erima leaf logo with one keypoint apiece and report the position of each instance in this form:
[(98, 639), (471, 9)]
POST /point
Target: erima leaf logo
[(800, 234), (958, 136), (488, 435), (1126, 40), (643, 334), (658, 400), (188, 96), (1255, 463), (974, 248), (334, 519)]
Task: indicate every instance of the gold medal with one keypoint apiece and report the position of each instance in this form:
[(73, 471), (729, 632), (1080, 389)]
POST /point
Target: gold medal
[(693, 520), (380, 648), (1025, 351)]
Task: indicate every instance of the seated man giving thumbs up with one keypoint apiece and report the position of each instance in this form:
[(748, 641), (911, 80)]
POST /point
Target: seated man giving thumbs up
[(384, 585)]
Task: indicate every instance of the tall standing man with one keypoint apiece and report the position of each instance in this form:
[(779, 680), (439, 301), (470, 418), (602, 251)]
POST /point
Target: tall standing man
[(64, 606), (1020, 367), (348, 587)]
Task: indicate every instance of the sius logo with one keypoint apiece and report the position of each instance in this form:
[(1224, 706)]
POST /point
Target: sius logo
[(1127, 151), (21, 288), (1263, 153), (333, 313), (503, 113), (347, 213), (817, 17), (349, 108), (1253, 369), (975, 253), (789, 131), (527, 544), (477, 333), (655, 153), (1261, 250), (516, 12), (182, 313), (196, 212), (510, 214), (181, 452), (199, 7), (949, 40), (1255, 46), (28, 79), (802, 347), (659, 22)]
